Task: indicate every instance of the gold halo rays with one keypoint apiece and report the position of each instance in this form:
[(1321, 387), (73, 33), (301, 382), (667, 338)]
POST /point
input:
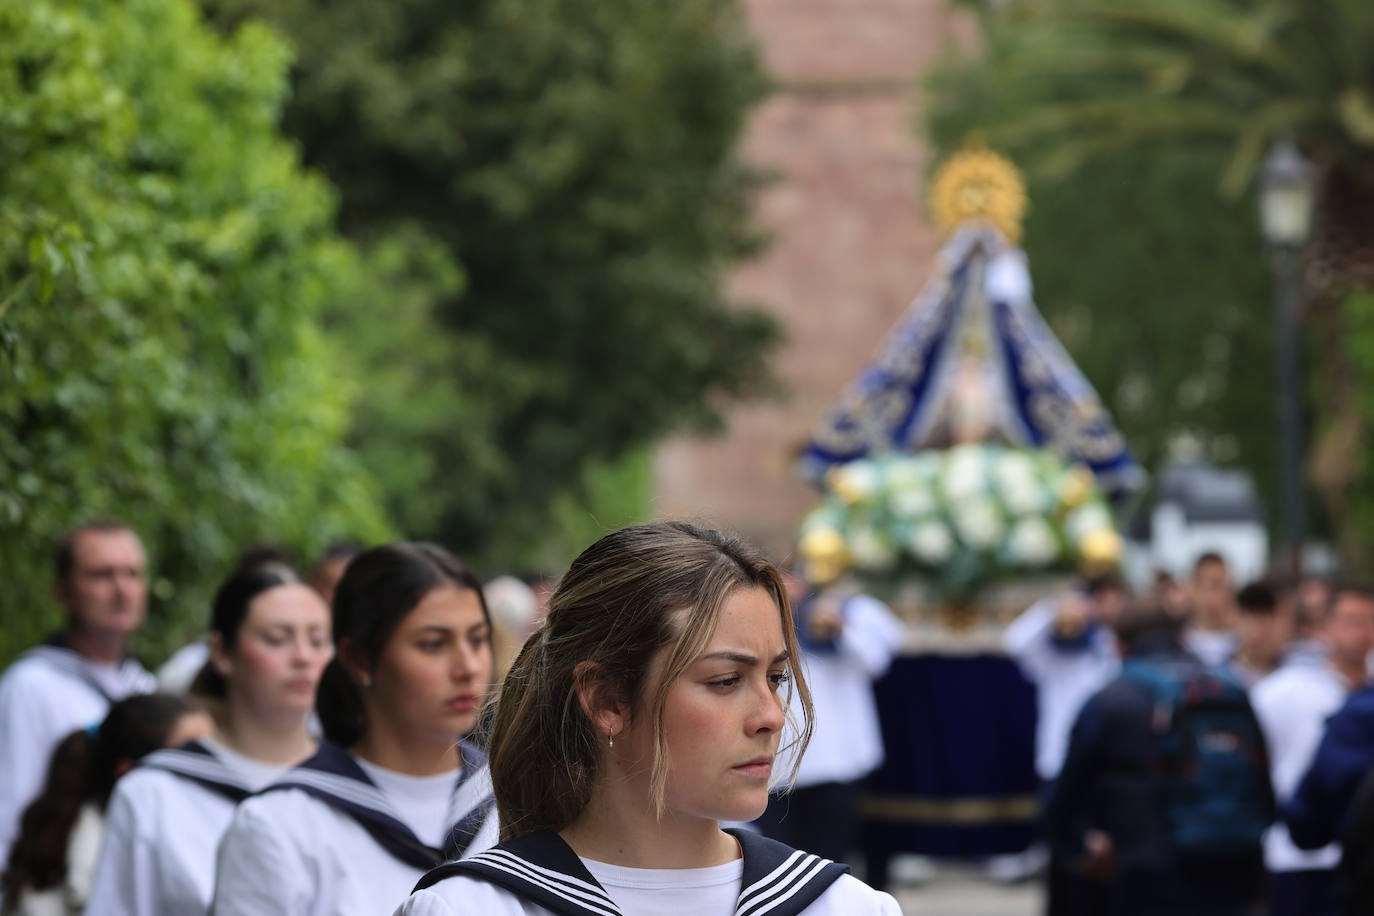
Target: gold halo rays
[(978, 184)]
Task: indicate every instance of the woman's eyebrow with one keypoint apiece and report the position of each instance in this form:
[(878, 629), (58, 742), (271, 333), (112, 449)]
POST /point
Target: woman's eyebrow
[(744, 658)]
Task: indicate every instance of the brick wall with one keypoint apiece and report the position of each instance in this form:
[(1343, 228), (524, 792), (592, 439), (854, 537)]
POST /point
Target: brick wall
[(850, 248)]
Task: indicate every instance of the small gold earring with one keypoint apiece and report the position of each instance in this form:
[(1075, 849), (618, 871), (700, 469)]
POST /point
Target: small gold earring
[(610, 741)]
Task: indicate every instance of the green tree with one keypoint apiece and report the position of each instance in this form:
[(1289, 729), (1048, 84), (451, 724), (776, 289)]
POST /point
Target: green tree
[(578, 161), (163, 267), (1105, 99)]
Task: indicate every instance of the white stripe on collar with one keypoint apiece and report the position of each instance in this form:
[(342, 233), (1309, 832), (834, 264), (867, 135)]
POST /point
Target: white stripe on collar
[(770, 893), (189, 763), (574, 890), (350, 790)]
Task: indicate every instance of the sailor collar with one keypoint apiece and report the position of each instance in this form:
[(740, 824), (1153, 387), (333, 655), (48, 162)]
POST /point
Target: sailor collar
[(196, 762), (541, 868), (334, 777), (57, 654)]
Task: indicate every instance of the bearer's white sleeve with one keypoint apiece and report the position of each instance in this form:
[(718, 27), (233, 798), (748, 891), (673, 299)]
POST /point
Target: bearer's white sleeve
[(872, 634), (1027, 638), (125, 880), (259, 872)]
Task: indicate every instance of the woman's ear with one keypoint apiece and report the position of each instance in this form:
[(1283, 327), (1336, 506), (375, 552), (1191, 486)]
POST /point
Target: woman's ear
[(353, 661), (219, 656), (601, 701)]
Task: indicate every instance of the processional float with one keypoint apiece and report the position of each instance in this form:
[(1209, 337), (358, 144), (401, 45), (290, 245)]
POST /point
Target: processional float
[(966, 470)]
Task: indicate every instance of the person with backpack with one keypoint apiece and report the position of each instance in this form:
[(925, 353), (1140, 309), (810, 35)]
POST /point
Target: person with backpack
[(1165, 795)]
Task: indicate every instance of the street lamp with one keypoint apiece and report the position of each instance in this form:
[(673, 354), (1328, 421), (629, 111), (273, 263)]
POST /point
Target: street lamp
[(1287, 189)]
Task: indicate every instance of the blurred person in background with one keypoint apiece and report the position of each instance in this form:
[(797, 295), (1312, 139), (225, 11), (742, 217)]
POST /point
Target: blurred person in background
[(1317, 813), (515, 613), (269, 643), (1211, 633), (324, 578), (1324, 664), (70, 682), (1171, 594), (53, 861), (1165, 791), (1264, 627), (178, 672), (847, 642), (393, 790), (1065, 646)]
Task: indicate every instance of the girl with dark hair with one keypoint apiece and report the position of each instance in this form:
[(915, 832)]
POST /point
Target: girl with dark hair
[(53, 859), (643, 712), (269, 643), (393, 790)]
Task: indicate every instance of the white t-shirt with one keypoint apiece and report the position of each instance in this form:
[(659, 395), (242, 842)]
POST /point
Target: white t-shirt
[(162, 833), (420, 801), (1214, 647), (1292, 706), (44, 696), (660, 891)]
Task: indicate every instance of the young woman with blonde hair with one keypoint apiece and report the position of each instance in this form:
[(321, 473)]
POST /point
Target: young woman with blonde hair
[(642, 713)]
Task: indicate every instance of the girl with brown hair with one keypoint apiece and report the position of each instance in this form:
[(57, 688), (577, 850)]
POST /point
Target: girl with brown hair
[(642, 713), (393, 790)]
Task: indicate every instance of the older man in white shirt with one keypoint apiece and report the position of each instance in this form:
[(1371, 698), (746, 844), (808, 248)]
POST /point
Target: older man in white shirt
[(1322, 667), (68, 684)]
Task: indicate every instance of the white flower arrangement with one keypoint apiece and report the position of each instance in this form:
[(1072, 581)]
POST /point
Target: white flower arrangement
[(960, 519)]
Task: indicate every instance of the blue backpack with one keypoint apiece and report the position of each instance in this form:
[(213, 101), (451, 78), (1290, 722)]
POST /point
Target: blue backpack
[(1211, 758)]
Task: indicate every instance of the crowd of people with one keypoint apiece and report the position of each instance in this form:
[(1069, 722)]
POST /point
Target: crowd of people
[(328, 747), (1205, 749), (678, 726)]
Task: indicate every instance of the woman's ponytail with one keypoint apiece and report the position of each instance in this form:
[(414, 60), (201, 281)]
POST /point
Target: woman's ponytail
[(82, 771), (339, 704)]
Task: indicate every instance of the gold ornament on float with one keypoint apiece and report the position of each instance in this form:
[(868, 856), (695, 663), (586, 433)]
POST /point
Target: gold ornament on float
[(1100, 551), (978, 184), (824, 554)]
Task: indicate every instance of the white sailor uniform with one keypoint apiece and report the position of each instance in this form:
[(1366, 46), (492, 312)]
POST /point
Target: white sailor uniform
[(539, 875), (163, 828), (46, 695), (326, 841)]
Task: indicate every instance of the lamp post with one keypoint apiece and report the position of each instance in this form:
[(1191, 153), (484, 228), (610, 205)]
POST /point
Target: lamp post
[(1287, 188)]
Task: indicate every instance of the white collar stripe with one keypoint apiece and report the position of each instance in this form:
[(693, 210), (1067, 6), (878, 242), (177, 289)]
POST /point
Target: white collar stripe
[(186, 763), (556, 882), (342, 787), (772, 877), (595, 904), (781, 893)]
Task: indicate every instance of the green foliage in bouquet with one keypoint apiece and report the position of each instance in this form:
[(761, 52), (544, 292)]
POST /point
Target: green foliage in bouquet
[(958, 520)]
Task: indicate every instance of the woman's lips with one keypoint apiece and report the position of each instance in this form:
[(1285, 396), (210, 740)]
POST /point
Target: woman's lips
[(465, 703), (759, 768)]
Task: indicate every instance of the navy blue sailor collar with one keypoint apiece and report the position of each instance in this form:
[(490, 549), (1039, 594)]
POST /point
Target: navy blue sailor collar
[(196, 762), (334, 777), (540, 867)]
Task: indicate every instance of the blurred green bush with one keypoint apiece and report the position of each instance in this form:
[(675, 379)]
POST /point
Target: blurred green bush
[(164, 264)]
